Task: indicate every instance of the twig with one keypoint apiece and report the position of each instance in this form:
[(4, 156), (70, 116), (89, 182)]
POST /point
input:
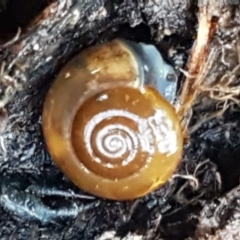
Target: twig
[(196, 64)]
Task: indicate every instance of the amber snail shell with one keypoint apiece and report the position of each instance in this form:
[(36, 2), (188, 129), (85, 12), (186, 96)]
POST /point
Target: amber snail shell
[(110, 131)]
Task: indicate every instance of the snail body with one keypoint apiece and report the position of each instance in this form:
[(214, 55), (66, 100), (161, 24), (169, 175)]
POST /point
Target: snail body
[(108, 123)]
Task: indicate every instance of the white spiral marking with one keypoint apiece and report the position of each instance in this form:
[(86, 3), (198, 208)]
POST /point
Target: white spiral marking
[(113, 146), (153, 134)]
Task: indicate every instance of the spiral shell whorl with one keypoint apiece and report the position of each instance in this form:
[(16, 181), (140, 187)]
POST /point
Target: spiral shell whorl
[(113, 140), (109, 135), (119, 144)]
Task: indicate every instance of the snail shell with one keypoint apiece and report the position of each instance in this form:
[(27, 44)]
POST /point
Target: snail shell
[(109, 130)]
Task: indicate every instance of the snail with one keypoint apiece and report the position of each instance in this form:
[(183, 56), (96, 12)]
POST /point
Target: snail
[(108, 121)]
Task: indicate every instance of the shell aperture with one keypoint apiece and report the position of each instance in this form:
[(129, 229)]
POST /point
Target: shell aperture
[(154, 70), (110, 135)]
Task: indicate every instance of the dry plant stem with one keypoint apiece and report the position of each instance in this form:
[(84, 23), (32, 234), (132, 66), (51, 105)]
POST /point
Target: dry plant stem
[(196, 64)]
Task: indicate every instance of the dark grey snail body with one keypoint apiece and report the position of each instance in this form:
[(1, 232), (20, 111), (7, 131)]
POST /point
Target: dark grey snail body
[(153, 70)]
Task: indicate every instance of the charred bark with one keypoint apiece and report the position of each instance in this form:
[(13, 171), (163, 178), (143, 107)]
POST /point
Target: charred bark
[(30, 63)]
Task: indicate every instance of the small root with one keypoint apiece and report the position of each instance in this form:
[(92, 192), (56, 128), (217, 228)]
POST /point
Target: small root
[(224, 90), (2, 145), (193, 180), (196, 171), (187, 74), (13, 40), (9, 85), (209, 117)]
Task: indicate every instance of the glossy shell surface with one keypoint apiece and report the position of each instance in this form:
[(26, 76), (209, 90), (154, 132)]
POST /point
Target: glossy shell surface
[(109, 132)]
